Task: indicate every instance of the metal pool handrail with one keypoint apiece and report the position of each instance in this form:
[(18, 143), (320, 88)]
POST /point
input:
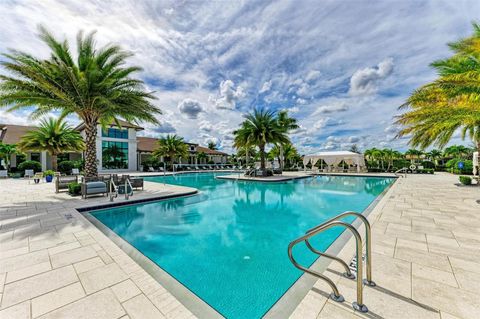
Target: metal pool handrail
[(333, 222), (368, 246)]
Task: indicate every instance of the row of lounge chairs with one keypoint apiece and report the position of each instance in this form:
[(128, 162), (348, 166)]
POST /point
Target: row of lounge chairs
[(199, 168)]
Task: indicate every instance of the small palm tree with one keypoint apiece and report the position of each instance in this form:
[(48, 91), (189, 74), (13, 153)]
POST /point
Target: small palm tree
[(171, 147), (261, 128), (96, 86), (54, 136), (212, 146), (6, 151), (434, 155), (201, 157)]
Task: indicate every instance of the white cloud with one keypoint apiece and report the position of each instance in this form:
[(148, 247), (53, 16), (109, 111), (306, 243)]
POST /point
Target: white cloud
[(338, 106), (229, 95), (266, 87), (191, 108), (365, 81)]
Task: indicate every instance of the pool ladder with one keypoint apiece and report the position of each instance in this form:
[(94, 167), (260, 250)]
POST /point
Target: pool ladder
[(334, 222)]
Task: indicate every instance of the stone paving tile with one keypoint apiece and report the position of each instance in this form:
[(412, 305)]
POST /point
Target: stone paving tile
[(22, 261), (102, 277), (101, 305), (32, 287), (141, 308), (56, 299), (434, 274), (423, 258), (26, 272), (72, 256), (125, 290), (64, 247), (88, 264), (20, 311)]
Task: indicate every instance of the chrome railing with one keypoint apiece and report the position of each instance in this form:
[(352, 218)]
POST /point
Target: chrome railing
[(404, 170), (113, 190), (333, 222)]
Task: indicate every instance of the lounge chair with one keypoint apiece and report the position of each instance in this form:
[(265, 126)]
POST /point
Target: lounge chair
[(3, 174), (29, 173), (61, 182), (94, 186), (75, 171)]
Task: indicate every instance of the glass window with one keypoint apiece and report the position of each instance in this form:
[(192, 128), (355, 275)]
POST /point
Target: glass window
[(114, 155), (35, 157), (115, 133)]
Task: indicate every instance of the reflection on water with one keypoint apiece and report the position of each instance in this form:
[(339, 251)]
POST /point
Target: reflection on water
[(228, 244)]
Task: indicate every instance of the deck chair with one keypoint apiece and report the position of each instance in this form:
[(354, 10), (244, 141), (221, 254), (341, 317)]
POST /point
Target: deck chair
[(75, 171), (3, 174)]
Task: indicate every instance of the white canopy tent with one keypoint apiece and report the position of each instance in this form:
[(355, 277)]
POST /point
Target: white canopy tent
[(476, 164), (335, 158)]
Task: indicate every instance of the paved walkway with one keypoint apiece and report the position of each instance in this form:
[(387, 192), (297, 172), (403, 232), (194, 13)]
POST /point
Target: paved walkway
[(55, 264), (426, 256)]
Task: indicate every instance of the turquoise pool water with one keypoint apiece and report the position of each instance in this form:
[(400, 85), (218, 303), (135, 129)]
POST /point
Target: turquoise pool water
[(228, 244)]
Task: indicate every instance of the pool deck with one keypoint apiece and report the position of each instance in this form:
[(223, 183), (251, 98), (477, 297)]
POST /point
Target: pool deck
[(55, 264)]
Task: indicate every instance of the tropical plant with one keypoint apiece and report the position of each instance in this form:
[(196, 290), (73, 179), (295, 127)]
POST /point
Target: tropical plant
[(201, 157), (449, 103), (260, 128), (6, 152), (288, 124), (212, 146), (413, 154), (171, 147), (434, 155), (96, 85), (54, 136), (36, 166), (458, 151)]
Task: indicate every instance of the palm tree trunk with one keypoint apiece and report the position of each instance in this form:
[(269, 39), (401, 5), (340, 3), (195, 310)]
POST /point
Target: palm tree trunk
[(91, 149), (262, 159), (54, 162), (281, 157)]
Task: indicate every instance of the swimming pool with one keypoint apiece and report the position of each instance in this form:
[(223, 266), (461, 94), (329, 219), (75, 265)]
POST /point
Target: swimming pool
[(228, 244)]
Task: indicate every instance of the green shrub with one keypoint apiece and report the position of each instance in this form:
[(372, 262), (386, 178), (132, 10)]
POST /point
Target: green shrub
[(36, 166), (452, 166), (465, 180), (48, 172), (66, 167), (74, 188), (428, 164), (426, 171)]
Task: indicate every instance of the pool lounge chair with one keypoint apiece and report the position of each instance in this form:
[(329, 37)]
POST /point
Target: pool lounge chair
[(3, 174), (94, 186), (75, 171), (29, 173), (61, 182)]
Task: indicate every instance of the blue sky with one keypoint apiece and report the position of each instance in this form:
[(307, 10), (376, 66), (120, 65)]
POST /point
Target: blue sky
[(341, 67)]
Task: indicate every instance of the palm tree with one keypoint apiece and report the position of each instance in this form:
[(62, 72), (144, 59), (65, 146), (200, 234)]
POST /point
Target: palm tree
[(54, 136), (6, 151), (451, 102), (96, 85), (287, 124), (212, 146), (201, 156), (260, 128), (413, 154), (172, 147), (434, 155)]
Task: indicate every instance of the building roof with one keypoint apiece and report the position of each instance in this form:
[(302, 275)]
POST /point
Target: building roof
[(123, 123), (148, 144), (208, 151), (11, 134)]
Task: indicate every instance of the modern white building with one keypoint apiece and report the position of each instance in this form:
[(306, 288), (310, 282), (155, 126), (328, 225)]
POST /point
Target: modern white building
[(118, 149)]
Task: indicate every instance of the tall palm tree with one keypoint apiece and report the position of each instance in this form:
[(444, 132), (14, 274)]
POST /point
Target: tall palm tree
[(451, 102), (171, 147), (96, 85), (6, 151), (54, 136), (260, 128), (288, 124)]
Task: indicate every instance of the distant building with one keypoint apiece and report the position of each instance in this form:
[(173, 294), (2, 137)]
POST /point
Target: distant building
[(118, 149)]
